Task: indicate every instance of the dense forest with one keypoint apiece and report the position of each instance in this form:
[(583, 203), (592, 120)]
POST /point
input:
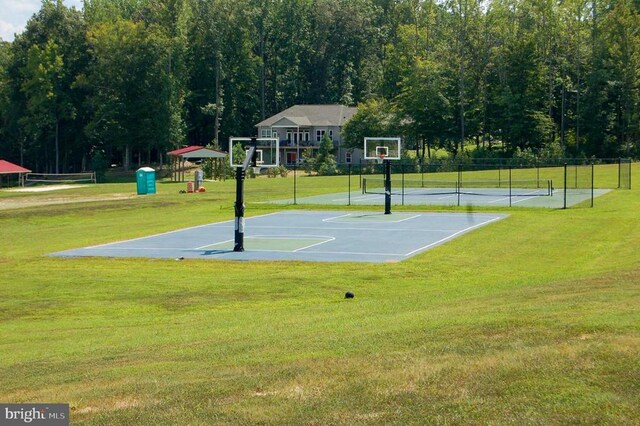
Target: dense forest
[(125, 81)]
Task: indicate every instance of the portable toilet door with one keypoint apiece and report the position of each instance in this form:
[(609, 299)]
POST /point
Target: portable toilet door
[(146, 180)]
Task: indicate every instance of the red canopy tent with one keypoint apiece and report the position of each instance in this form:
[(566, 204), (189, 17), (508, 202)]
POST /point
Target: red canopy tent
[(7, 168)]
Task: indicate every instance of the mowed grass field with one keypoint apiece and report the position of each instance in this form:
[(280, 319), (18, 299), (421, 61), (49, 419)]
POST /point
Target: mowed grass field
[(532, 320)]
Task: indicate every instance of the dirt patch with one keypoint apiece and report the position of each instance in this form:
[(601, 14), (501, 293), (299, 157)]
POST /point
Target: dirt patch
[(24, 202), (45, 188)]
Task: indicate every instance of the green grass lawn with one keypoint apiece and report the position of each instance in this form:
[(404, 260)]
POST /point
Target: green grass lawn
[(532, 320)]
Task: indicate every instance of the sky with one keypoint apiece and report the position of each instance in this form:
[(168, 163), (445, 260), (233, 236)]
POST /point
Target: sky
[(14, 15)]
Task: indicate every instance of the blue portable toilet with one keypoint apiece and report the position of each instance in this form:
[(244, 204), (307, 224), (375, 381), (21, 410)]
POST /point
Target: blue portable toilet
[(146, 180)]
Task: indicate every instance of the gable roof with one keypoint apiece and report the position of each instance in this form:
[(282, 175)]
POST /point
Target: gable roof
[(310, 115), (196, 151), (8, 168), (184, 150)]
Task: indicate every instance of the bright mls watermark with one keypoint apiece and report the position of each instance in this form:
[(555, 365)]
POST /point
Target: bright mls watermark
[(34, 414)]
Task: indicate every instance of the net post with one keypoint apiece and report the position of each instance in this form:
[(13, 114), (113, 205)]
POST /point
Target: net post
[(239, 211), (387, 186)]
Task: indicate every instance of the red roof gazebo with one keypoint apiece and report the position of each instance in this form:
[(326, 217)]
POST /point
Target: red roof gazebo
[(7, 168)]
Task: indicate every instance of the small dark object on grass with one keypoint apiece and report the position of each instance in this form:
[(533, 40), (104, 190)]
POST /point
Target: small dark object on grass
[(180, 258), (349, 295)]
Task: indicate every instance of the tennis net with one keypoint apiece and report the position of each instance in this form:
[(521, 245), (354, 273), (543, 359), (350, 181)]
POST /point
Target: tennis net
[(513, 188), (57, 178)]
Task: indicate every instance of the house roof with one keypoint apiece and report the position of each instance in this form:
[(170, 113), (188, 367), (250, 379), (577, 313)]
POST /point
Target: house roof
[(196, 151), (310, 115), (8, 168)]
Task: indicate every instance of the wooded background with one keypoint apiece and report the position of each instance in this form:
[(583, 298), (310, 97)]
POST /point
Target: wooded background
[(124, 81)]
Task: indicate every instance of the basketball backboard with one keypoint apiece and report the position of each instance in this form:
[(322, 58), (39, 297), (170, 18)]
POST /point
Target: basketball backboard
[(382, 148), (267, 151)]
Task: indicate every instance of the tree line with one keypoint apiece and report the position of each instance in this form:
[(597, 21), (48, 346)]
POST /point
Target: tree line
[(124, 81)]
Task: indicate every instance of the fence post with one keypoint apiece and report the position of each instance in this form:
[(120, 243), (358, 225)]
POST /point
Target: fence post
[(295, 188), (349, 189), (619, 172), (459, 183), (510, 194), (565, 186), (592, 183), (402, 171)]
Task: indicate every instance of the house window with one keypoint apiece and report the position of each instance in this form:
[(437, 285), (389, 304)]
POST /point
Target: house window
[(306, 136), (331, 134), (268, 133), (347, 157), (319, 135)]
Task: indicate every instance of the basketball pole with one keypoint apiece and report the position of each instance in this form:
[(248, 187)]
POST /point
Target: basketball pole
[(239, 204), (239, 209), (387, 186)]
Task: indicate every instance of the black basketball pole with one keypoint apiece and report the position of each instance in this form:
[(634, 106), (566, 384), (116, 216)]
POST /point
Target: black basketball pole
[(387, 186), (239, 205), (239, 208)]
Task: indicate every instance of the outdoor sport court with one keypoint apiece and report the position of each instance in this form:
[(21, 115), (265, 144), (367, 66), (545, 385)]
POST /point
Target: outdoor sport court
[(324, 236)]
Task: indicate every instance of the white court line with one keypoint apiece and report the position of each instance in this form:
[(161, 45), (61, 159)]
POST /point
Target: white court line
[(356, 253), (328, 239), (322, 228), (174, 231), (135, 248), (325, 239), (333, 219), (214, 244), (451, 236), (519, 201)]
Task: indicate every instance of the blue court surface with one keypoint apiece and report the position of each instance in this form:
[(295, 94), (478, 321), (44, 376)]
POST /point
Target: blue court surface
[(323, 236)]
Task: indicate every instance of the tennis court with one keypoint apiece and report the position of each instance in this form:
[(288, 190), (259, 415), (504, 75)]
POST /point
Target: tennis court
[(322, 236), (521, 194)]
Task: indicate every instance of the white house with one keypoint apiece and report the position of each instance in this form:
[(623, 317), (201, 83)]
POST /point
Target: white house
[(302, 126)]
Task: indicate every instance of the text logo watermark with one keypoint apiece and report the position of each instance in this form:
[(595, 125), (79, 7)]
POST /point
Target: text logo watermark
[(34, 414)]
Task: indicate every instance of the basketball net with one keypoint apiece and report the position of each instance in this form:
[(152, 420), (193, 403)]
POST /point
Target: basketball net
[(381, 158)]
